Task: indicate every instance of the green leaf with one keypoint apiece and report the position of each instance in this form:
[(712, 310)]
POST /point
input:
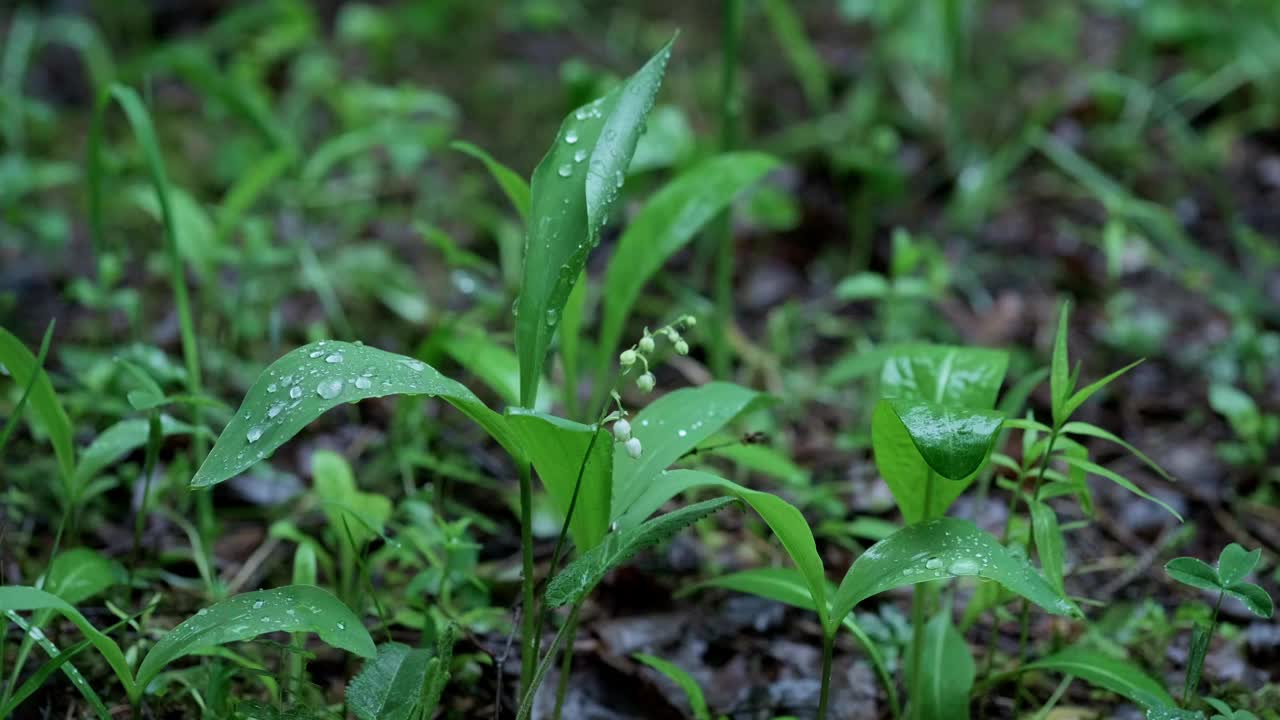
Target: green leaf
[(121, 439), (763, 459), (938, 549), (910, 441), (947, 672), (304, 384), (1049, 543), (492, 363), (1108, 673), (1095, 469), (1200, 636), (1173, 713), (573, 189), (671, 218), (45, 406), (57, 660), (389, 686), (1084, 393), (1083, 428), (582, 575), (294, 608), (356, 517), (1235, 563), (557, 447), (80, 573), (944, 375), (1254, 598), (801, 55), (19, 598), (683, 680), (1060, 367), (1194, 572), (516, 189), (668, 428)]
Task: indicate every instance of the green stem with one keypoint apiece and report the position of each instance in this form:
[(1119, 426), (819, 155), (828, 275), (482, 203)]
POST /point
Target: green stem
[(154, 436), (1187, 688), (528, 626), (921, 593), (1024, 622), (722, 229), (526, 704), (566, 669), (828, 649)]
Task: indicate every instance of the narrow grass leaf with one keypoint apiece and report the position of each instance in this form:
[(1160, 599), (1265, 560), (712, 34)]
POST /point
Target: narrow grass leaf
[(1095, 469), (45, 405), (1060, 367), (514, 186), (57, 660), (1083, 428), (1106, 672), (1077, 399), (17, 598)]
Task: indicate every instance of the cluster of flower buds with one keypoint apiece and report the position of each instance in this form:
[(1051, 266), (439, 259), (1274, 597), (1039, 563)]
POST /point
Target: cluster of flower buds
[(622, 434), (641, 351)]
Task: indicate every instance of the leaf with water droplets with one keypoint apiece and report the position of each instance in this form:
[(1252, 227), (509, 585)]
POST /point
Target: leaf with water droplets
[(570, 202), (582, 575), (668, 428), (309, 382), (295, 608), (938, 549)]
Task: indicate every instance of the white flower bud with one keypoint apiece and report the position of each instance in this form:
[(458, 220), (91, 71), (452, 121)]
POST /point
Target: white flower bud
[(646, 382), (627, 358), (682, 347), (690, 321), (622, 430), (633, 447), (646, 344)]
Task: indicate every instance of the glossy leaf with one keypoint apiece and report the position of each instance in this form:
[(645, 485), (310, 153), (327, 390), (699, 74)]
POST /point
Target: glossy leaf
[(908, 440), (1095, 469), (1106, 672), (938, 549), (582, 575), (57, 660), (44, 403), (389, 686), (1235, 563), (294, 608), (514, 186), (80, 573), (313, 379), (572, 191), (1194, 572), (1254, 598), (947, 672), (557, 447), (1049, 543), (1173, 713), (668, 428), (945, 375), (671, 218), (683, 680)]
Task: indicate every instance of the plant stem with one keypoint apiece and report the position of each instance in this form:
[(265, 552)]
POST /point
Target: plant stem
[(828, 649), (722, 229), (154, 436), (1024, 632), (526, 704), (566, 669), (921, 594), (528, 627), (1187, 689)]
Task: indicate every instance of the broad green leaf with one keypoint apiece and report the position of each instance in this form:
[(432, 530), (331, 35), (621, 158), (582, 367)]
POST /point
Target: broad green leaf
[(1083, 428), (1108, 673), (294, 608), (44, 403), (582, 575), (1060, 367), (80, 573), (1049, 543), (356, 517), (20, 598), (389, 686), (685, 681), (947, 672), (668, 428), (1095, 469), (938, 549), (557, 447), (572, 190), (1080, 396), (944, 375), (121, 439), (671, 218), (514, 186), (1194, 572), (912, 440), (313, 379), (1235, 563), (1254, 598)]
